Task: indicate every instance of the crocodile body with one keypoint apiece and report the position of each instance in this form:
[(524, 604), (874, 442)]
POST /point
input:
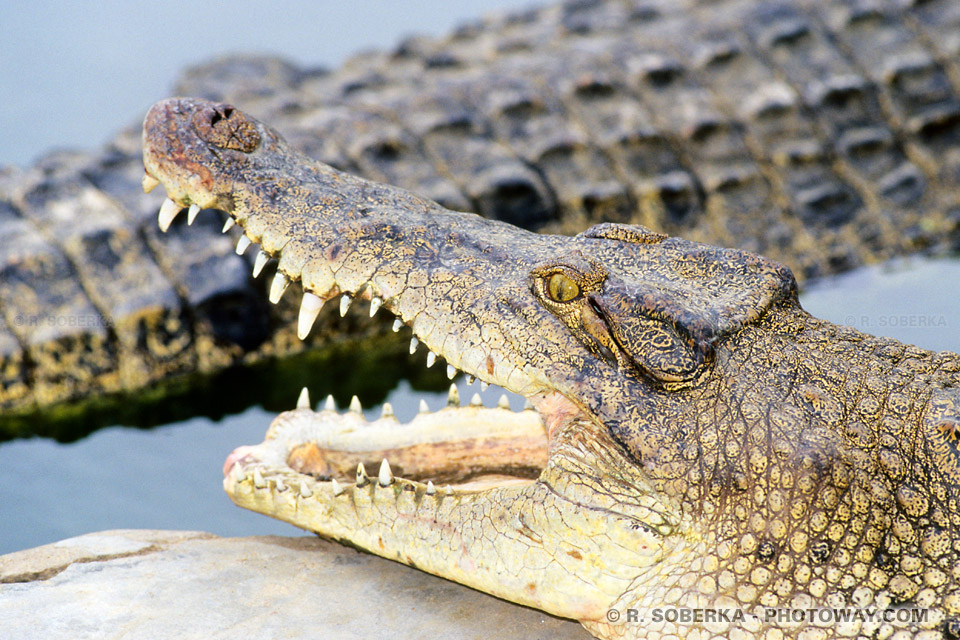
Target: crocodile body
[(822, 134), (700, 442)]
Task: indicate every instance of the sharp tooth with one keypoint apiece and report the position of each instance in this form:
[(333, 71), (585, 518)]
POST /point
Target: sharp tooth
[(227, 224), (337, 489), (528, 406), (345, 301), (397, 323), (237, 473), (387, 411), (305, 491), (303, 402), (355, 405), (149, 183), (423, 406), (258, 480), (503, 402), (484, 385), (280, 485), (451, 372), (431, 358), (375, 303), (362, 476), (242, 245), (262, 258), (168, 211), (385, 477), (476, 400), (278, 286), (329, 404), (309, 308), (192, 213), (471, 379), (430, 488), (453, 397), (413, 345)]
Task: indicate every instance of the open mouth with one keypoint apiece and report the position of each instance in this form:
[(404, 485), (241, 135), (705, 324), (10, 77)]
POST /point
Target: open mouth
[(462, 448)]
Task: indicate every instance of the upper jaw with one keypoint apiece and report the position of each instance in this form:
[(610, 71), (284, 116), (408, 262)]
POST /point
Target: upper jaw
[(322, 245)]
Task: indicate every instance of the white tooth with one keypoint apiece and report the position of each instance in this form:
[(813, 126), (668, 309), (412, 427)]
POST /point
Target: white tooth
[(471, 379), (355, 405), (262, 258), (476, 400), (242, 245), (345, 301), (528, 406), (397, 323), (375, 303), (430, 488), (329, 404), (361, 475), (303, 402), (309, 308), (227, 224), (385, 477), (453, 397), (237, 473), (413, 345), (168, 211), (484, 385), (431, 358), (192, 213), (387, 410), (305, 491), (503, 402), (451, 372), (278, 286), (423, 406), (258, 480), (337, 489), (149, 183), (280, 485)]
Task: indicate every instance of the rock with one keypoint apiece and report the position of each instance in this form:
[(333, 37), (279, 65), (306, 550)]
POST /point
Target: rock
[(152, 585)]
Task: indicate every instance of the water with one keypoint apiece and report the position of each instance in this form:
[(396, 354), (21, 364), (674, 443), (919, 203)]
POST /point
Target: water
[(170, 477), (74, 73)]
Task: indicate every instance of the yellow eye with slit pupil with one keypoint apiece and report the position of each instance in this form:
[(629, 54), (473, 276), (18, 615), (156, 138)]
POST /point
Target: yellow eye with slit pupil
[(560, 288)]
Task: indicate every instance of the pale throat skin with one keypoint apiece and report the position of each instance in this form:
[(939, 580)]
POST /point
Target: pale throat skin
[(699, 442)]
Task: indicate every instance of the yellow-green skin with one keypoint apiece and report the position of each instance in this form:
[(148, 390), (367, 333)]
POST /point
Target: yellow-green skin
[(711, 445)]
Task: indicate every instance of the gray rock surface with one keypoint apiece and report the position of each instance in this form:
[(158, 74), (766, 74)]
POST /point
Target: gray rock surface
[(181, 584)]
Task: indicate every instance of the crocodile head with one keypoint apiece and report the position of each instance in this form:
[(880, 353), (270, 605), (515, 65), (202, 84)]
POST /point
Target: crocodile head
[(704, 455)]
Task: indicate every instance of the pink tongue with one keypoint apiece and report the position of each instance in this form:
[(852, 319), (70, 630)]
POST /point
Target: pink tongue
[(238, 454), (556, 410)]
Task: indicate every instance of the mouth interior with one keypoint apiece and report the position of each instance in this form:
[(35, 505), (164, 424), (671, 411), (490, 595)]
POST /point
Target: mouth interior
[(468, 448)]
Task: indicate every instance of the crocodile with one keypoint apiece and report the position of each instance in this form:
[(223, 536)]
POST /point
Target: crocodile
[(823, 134), (699, 442)]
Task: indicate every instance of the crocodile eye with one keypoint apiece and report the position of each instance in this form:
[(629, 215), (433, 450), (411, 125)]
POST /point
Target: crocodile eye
[(561, 288)]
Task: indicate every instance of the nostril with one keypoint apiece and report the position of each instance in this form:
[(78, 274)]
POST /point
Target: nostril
[(217, 117), (227, 112)]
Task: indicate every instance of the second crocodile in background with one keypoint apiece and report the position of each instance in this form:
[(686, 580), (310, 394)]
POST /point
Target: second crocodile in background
[(700, 442)]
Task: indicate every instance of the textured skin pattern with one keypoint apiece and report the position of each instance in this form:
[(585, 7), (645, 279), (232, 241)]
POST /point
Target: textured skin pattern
[(821, 134), (711, 445)]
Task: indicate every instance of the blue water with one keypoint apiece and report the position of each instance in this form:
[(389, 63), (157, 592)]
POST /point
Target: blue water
[(170, 477), (74, 73)]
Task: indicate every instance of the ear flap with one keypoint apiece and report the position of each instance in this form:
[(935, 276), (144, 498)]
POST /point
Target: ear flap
[(623, 232), (658, 348)]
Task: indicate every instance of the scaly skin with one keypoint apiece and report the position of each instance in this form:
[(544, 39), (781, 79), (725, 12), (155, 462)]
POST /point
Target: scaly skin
[(824, 134), (708, 444)]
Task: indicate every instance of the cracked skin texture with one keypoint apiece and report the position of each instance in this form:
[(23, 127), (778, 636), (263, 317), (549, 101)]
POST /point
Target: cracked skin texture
[(709, 444)]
